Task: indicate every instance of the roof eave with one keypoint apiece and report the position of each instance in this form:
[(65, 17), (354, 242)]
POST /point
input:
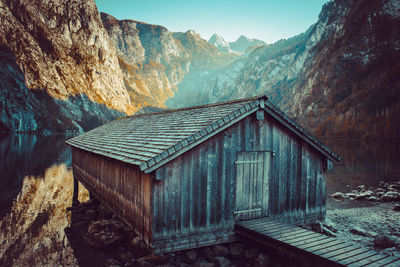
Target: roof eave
[(299, 131)]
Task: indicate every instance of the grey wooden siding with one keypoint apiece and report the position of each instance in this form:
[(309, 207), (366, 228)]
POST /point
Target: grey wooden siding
[(194, 199), (122, 187)]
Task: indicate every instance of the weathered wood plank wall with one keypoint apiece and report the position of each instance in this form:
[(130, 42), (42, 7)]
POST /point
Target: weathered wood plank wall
[(194, 199), (122, 187)]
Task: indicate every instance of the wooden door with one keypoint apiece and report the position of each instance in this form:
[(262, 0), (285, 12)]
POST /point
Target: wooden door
[(252, 179)]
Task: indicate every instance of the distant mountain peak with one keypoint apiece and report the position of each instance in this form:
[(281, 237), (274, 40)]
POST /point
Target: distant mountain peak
[(243, 43), (219, 42)]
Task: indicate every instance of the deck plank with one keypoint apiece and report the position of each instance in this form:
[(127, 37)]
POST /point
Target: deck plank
[(368, 260), (282, 235), (303, 239), (347, 255), (320, 244), (311, 240), (393, 264), (358, 257)]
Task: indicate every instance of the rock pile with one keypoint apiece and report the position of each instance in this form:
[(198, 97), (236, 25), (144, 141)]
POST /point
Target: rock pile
[(384, 192), (101, 235)]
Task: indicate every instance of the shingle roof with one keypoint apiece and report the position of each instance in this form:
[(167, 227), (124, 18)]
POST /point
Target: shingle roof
[(150, 140)]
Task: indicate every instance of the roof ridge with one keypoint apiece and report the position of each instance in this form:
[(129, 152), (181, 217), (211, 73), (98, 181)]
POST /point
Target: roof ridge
[(198, 106), (208, 130)]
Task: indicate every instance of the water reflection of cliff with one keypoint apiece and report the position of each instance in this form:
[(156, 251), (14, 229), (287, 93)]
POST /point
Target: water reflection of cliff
[(32, 233), (24, 155), (364, 163)]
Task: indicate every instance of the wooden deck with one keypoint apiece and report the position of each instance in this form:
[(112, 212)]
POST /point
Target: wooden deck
[(321, 248)]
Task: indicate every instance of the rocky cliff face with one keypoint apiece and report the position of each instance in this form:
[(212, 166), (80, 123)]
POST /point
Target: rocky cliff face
[(151, 59), (340, 78), (154, 61), (349, 86), (265, 69), (60, 66)]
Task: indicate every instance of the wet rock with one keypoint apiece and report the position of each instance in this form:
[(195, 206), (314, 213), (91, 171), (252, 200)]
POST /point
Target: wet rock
[(337, 195), (329, 232), (104, 233), (223, 262), (391, 196), (380, 190), (358, 231), (317, 227), (396, 208), (220, 250), (384, 241), (191, 255), (391, 252), (364, 195), (329, 225), (251, 253), (113, 262), (261, 260), (236, 249), (204, 263), (206, 253), (141, 263), (154, 259), (373, 198), (350, 195)]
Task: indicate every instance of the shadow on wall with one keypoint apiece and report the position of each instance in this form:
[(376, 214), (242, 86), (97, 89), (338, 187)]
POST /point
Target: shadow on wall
[(25, 110)]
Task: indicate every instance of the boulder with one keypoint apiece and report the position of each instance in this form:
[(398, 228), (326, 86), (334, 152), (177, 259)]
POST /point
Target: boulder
[(220, 250), (154, 259), (364, 195), (251, 253), (350, 195), (373, 198), (396, 208), (384, 241), (338, 195), (391, 196), (104, 233), (191, 255), (223, 262), (317, 227), (358, 231), (206, 253), (236, 249), (203, 263), (261, 260), (361, 187)]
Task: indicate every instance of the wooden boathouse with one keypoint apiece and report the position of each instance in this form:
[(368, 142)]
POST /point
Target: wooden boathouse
[(183, 177)]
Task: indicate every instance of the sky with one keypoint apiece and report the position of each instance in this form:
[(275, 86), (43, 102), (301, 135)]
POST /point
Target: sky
[(262, 19)]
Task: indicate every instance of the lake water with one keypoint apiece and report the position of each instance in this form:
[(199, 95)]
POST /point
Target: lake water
[(36, 189)]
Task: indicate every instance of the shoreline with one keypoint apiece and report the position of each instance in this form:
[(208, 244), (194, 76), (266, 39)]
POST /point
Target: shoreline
[(376, 227)]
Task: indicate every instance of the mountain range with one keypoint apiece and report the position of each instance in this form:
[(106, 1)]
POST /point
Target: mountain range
[(66, 67), (240, 45)]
